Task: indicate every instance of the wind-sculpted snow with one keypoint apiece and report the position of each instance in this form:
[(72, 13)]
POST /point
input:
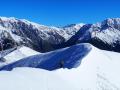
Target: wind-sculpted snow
[(69, 57)]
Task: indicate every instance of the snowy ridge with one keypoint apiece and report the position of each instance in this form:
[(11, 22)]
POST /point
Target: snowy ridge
[(7, 23), (94, 73), (69, 57)]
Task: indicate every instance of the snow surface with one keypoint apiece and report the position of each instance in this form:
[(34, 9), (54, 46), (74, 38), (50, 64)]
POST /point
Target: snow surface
[(99, 70), (19, 53)]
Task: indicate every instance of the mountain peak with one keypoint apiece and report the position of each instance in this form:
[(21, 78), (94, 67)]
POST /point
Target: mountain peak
[(8, 18), (74, 25), (111, 21)]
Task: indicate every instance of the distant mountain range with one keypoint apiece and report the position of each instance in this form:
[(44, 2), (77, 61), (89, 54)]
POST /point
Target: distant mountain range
[(17, 32)]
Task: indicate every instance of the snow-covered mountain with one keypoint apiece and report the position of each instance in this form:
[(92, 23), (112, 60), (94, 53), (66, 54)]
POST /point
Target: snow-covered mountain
[(98, 70), (15, 32), (104, 35), (78, 64)]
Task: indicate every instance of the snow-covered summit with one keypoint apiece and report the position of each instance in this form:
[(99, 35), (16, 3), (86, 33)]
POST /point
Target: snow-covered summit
[(108, 33), (8, 19), (111, 21)]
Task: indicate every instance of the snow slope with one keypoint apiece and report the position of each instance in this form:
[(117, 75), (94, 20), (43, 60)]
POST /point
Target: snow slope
[(99, 70), (69, 57), (105, 65), (19, 53)]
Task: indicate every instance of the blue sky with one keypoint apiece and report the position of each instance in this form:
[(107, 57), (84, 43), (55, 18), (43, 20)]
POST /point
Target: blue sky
[(61, 12)]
